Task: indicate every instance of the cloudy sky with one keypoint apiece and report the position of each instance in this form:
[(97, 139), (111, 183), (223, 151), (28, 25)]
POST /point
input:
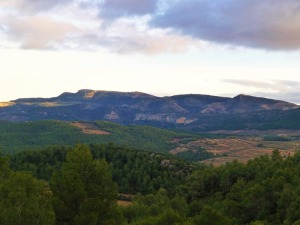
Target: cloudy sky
[(163, 47)]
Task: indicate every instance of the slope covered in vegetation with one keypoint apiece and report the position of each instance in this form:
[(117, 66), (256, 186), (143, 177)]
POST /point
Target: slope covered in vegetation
[(263, 191), (133, 170), (15, 137)]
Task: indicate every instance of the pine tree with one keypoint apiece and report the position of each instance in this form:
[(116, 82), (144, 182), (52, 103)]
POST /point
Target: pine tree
[(83, 190)]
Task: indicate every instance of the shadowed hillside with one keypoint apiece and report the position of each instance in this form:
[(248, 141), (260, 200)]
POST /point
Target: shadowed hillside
[(196, 112)]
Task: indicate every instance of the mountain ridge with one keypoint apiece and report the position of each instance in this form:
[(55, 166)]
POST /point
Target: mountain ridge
[(139, 108)]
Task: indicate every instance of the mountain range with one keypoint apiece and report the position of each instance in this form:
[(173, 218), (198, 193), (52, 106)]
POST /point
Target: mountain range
[(191, 111)]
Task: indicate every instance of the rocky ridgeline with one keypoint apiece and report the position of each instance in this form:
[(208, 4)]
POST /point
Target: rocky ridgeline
[(140, 108)]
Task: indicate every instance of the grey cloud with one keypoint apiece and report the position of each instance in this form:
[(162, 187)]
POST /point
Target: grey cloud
[(138, 42), (269, 24), (121, 36), (272, 85), (247, 83), (285, 90), (293, 96), (289, 83), (112, 9), (41, 5)]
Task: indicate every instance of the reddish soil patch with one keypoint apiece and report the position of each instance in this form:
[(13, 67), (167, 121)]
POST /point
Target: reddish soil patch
[(125, 199), (124, 203), (176, 140), (89, 128)]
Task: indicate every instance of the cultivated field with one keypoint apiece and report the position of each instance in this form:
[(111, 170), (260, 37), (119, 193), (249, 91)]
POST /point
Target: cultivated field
[(239, 148)]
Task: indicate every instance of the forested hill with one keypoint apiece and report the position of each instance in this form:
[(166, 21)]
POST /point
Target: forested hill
[(15, 137), (135, 171), (189, 111), (264, 191)]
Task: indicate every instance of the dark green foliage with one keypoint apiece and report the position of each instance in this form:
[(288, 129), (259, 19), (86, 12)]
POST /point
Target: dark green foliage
[(276, 138), (83, 192), (251, 120), (138, 171), (265, 191), (40, 163), (156, 209), (195, 155), (4, 168), (210, 216), (134, 171), (141, 137), (16, 137), (24, 200)]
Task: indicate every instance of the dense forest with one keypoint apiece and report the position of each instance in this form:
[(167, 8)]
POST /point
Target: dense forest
[(133, 170), (80, 185), (17, 137)]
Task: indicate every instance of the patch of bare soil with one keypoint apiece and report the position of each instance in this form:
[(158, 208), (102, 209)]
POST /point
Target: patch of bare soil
[(124, 203), (241, 149), (125, 199), (89, 128)]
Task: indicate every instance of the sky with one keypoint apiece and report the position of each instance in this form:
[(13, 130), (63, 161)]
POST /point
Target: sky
[(161, 47)]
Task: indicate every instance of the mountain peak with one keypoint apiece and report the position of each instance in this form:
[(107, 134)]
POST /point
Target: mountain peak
[(134, 107), (249, 97), (243, 97), (91, 94), (244, 103)]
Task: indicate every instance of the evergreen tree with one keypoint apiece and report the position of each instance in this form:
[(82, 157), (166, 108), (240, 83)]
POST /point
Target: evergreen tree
[(83, 190), (24, 200)]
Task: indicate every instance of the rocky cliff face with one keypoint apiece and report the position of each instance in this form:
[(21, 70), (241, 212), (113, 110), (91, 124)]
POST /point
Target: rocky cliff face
[(136, 107)]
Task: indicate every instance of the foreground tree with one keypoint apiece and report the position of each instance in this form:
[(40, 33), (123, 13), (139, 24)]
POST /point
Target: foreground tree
[(24, 200), (83, 190)]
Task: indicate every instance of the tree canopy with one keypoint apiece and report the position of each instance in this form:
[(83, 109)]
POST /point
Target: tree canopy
[(24, 200), (83, 190)]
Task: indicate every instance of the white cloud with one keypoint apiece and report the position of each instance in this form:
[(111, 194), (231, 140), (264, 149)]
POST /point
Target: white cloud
[(25, 6), (38, 32)]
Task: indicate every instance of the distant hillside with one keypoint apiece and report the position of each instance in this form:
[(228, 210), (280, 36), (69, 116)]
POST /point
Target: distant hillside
[(15, 137), (260, 120), (200, 112)]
